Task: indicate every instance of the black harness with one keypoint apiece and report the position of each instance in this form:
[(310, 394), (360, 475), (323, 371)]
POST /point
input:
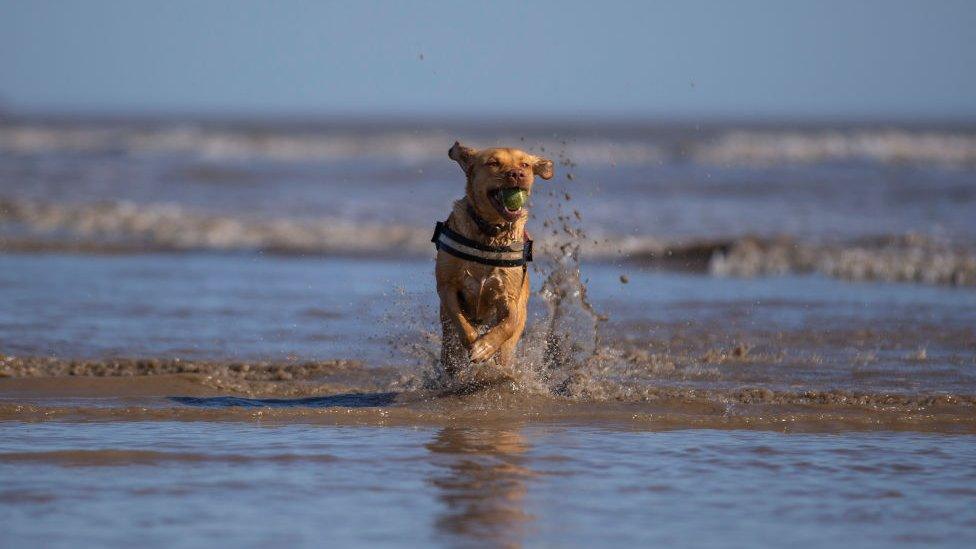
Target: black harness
[(459, 246)]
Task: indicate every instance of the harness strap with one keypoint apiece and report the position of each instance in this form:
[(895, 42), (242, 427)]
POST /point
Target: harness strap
[(459, 246)]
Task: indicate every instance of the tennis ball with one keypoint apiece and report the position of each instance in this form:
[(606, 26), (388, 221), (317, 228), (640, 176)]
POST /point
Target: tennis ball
[(514, 199)]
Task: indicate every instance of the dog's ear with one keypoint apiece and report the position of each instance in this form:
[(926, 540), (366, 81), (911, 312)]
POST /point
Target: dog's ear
[(464, 156), (542, 167)]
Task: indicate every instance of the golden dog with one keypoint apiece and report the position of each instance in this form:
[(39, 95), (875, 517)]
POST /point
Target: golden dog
[(482, 279)]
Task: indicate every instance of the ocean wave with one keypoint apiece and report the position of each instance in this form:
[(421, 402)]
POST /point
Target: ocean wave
[(908, 258), (215, 144), (125, 226), (893, 258), (715, 146), (121, 227), (883, 146)]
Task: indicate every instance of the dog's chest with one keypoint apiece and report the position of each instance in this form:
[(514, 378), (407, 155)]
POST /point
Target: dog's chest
[(482, 289)]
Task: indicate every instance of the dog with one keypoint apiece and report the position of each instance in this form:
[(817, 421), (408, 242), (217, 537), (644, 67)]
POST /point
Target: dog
[(482, 252)]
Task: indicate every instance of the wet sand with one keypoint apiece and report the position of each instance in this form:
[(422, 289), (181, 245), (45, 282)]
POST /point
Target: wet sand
[(220, 392)]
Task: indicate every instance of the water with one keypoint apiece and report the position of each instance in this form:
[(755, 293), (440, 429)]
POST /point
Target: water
[(199, 483), (224, 331), (805, 333)]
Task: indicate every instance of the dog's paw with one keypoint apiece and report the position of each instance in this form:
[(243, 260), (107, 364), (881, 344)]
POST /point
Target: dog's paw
[(481, 350)]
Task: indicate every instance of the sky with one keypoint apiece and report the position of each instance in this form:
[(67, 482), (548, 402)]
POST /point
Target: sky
[(679, 59)]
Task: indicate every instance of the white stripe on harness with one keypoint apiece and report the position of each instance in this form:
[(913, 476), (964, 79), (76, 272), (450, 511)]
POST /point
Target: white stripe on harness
[(504, 256)]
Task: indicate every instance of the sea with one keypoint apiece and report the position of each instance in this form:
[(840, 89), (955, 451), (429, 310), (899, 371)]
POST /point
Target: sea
[(220, 330)]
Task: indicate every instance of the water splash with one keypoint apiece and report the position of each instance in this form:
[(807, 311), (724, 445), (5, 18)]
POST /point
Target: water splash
[(562, 346), (558, 347)]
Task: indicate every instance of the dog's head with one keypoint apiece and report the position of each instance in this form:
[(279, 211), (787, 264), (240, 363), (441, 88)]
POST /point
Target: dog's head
[(490, 172)]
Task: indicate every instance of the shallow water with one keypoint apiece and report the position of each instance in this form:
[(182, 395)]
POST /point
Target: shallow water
[(164, 483), (225, 332), (799, 333), (830, 428)]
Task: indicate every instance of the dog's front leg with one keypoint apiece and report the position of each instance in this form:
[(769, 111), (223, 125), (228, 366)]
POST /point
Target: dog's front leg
[(452, 312), (487, 345)]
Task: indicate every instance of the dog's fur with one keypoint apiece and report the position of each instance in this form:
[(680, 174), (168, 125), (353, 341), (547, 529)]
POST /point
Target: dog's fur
[(483, 308)]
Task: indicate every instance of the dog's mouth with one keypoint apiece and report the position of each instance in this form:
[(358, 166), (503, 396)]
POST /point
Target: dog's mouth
[(510, 201)]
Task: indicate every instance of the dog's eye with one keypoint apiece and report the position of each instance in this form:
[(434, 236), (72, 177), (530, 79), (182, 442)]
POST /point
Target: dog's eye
[(525, 164), (493, 163)]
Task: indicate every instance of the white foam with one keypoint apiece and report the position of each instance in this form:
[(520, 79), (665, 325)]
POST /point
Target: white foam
[(164, 226), (732, 147), (170, 226), (213, 144), (886, 146)]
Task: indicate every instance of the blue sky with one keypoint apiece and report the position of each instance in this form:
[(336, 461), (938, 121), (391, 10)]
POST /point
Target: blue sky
[(744, 59)]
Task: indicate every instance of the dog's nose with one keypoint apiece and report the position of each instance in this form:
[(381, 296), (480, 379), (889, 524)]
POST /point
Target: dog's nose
[(515, 175)]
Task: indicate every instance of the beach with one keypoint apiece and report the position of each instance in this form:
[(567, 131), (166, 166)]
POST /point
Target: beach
[(226, 331)]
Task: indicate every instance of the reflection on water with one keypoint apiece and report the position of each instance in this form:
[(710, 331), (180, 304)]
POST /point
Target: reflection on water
[(257, 482), (482, 483)]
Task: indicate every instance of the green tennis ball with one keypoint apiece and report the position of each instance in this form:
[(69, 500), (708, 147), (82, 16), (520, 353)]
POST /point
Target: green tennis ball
[(514, 199)]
